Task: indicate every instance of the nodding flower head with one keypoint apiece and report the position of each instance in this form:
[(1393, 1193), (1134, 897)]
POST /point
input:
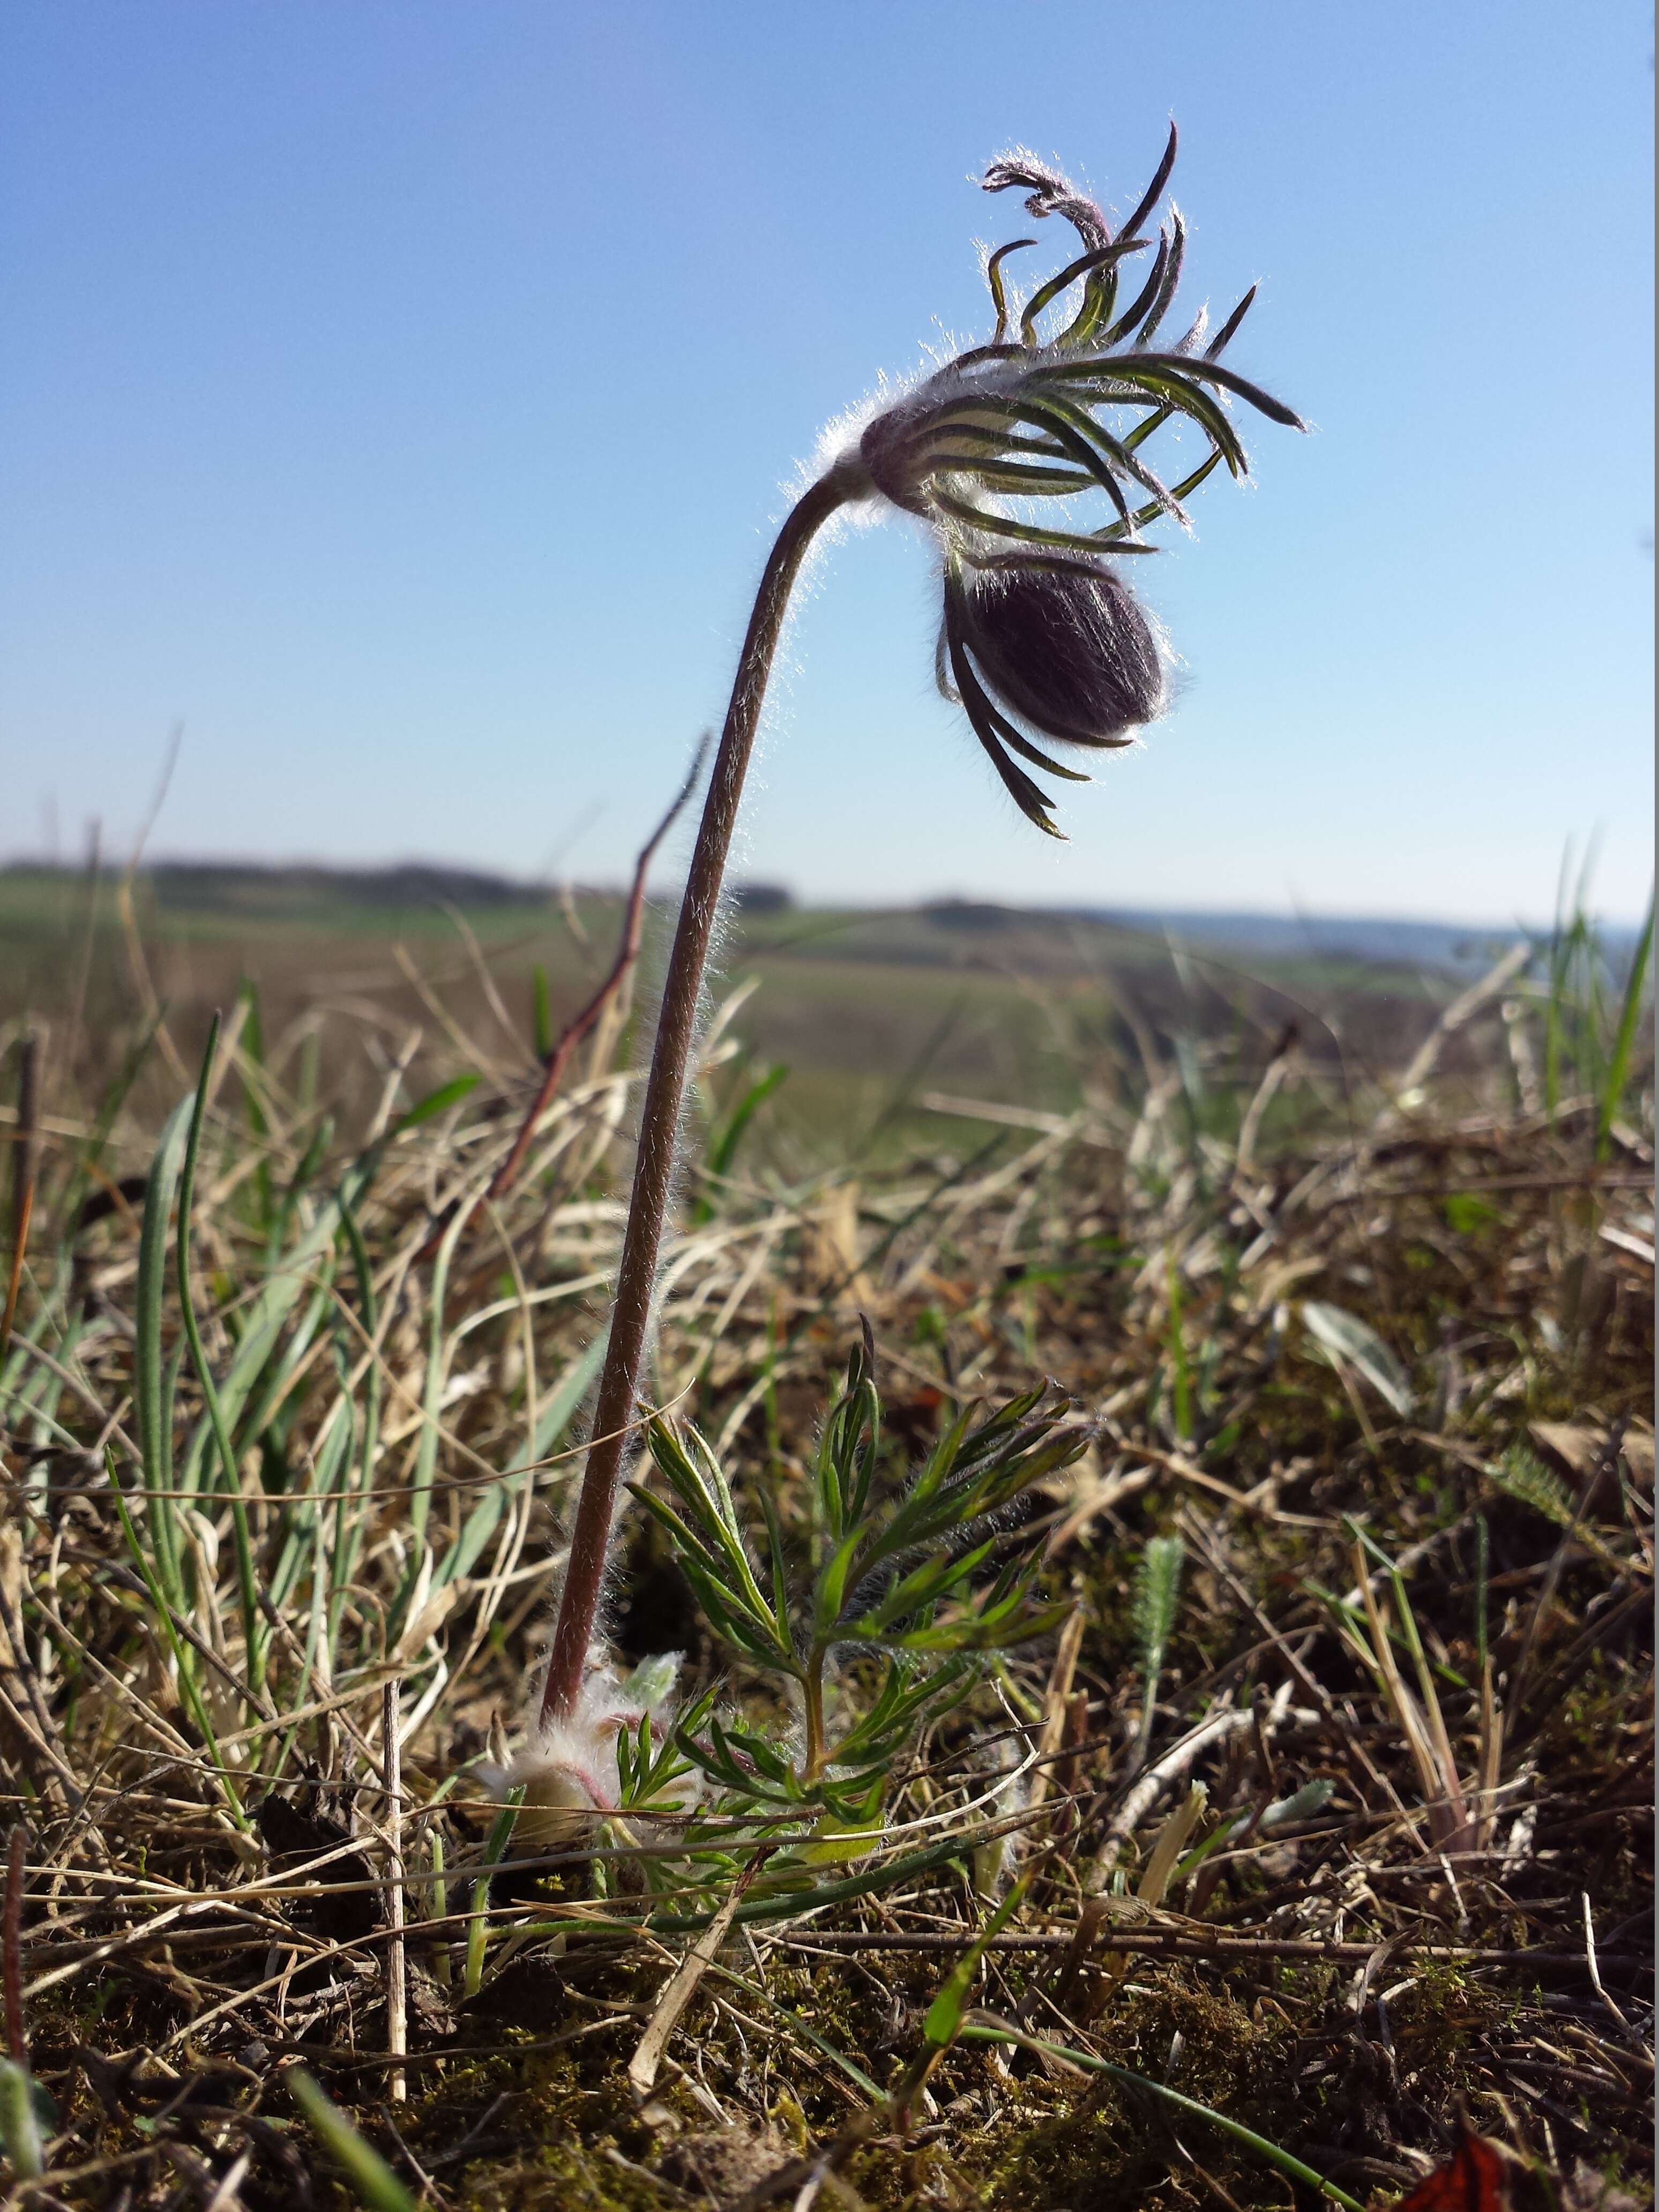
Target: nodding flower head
[(980, 448)]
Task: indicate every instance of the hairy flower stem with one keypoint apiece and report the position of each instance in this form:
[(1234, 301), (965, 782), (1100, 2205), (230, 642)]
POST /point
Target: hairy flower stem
[(665, 1093)]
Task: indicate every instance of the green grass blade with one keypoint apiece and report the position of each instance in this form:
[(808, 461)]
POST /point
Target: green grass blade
[(564, 1402), (20, 2125), (183, 1656), (296, 1272), (478, 1927), (1630, 1015), (1158, 1597), (437, 1368), (372, 2180), (252, 1044), (150, 1384), (1555, 999), (724, 1152), (347, 1524), (1180, 1379), (874, 1882), (942, 2023), (436, 1102), (254, 1634)]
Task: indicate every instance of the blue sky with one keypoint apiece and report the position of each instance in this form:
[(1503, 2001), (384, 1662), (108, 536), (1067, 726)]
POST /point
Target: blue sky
[(401, 397)]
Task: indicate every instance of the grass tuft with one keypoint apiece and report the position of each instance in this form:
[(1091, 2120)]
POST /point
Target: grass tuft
[(1350, 1520)]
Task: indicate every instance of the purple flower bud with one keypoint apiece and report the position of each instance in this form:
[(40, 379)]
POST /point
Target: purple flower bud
[(1066, 646), (1058, 640)]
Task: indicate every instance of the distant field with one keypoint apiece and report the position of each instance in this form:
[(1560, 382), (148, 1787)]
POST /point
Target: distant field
[(870, 1011)]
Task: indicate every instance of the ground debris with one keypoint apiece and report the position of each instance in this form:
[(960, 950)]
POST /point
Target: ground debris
[(1369, 1853)]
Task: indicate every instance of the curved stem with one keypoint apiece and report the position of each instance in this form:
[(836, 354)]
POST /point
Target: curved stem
[(665, 1093)]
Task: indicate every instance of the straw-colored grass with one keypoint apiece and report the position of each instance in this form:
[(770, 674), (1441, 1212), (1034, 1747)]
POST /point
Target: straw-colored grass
[(1327, 1812)]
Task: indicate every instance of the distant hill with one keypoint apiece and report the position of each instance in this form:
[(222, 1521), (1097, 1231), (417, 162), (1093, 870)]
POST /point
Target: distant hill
[(1377, 939), (249, 890), (214, 885), (1322, 936)]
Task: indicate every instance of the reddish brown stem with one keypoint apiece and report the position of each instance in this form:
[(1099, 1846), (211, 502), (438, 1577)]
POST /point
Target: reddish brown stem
[(665, 1093), (581, 1024), (628, 952), (11, 1948)]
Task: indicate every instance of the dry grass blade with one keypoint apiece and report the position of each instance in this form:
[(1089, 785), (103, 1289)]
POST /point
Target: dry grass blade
[(1377, 1788), (1421, 1723), (396, 1984), (681, 1986)]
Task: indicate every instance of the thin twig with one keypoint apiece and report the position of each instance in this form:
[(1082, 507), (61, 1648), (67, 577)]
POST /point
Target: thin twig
[(11, 1948), (1592, 1961), (396, 1979), (582, 1024), (628, 953)]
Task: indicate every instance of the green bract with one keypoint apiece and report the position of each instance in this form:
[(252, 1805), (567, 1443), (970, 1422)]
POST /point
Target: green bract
[(1027, 417)]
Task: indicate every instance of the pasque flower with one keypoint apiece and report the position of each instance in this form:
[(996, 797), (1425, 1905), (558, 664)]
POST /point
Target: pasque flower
[(1042, 641), (1039, 630)]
